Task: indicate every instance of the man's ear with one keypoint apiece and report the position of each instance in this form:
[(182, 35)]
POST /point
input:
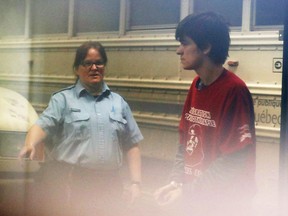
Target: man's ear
[(207, 49)]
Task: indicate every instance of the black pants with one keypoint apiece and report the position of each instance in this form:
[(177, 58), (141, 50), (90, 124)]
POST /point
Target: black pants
[(62, 189)]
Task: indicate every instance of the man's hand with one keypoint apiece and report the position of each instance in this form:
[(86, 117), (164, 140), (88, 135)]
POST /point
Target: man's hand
[(168, 194)]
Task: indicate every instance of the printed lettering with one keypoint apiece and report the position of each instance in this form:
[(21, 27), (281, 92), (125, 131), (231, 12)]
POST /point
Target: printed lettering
[(267, 118)]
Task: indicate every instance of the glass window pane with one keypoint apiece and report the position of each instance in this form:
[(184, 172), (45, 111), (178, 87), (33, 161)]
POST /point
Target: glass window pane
[(230, 9), (12, 17), (151, 12), (49, 17), (269, 12), (15, 141), (97, 15)]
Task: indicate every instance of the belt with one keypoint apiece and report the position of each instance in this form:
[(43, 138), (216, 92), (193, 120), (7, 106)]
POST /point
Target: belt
[(78, 170)]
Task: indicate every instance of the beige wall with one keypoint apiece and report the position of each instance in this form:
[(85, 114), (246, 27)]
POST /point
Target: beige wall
[(256, 66)]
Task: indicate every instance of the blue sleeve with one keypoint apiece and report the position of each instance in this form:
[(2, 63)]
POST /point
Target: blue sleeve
[(51, 117), (132, 133)]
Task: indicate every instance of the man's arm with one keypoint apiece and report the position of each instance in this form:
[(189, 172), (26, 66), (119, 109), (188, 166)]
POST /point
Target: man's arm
[(178, 167), (221, 172), (172, 191)]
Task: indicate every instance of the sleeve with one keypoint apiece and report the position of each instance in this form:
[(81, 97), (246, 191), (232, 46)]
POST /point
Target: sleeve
[(177, 172), (132, 133), (187, 106), (51, 117), (222, 173), (237, 129)]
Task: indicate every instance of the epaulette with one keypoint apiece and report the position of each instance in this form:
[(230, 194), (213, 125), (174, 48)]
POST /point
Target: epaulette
[(64, 89)]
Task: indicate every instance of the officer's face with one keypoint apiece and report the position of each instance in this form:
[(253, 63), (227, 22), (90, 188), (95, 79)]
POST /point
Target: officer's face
[(91, 70)]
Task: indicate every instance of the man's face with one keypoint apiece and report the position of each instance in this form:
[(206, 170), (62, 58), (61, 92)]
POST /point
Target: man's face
[(190, 55), (91, 70)]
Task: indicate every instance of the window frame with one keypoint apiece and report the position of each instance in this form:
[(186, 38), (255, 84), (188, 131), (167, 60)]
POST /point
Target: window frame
[(186, 7)]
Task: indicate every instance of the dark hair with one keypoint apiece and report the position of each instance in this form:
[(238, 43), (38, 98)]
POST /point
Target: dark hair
[(206, 29), (82, 51)]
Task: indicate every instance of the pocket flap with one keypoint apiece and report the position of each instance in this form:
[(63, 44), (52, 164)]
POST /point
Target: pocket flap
[(78, 115), (117, 117)]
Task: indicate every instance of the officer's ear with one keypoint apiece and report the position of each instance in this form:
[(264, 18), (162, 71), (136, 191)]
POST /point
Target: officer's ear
[(207, 49)]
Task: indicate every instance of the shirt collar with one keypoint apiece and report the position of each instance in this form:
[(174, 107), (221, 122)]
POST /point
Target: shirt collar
[(80, 88)]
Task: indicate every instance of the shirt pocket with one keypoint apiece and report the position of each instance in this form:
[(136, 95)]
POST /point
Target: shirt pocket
[(77, 123), (118, 122)]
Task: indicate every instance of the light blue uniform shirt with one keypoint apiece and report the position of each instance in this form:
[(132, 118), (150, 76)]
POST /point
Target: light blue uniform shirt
[(89, 131)]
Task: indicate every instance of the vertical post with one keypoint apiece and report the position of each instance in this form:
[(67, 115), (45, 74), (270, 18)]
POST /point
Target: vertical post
[(283, 167), (246, 15), (124, 16), (185, 8), (71, 18), (27, 31)]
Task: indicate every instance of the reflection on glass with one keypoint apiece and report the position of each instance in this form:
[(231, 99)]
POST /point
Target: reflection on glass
[(151, 12), (49, 17), (12, 17), (97, 15), (269, 12), (231, 10)]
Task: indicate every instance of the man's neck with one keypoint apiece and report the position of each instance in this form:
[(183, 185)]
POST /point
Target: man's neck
[(209, 74)]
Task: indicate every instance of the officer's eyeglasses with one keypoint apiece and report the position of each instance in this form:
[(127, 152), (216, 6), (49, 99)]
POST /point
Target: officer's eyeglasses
[(89, 64)]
